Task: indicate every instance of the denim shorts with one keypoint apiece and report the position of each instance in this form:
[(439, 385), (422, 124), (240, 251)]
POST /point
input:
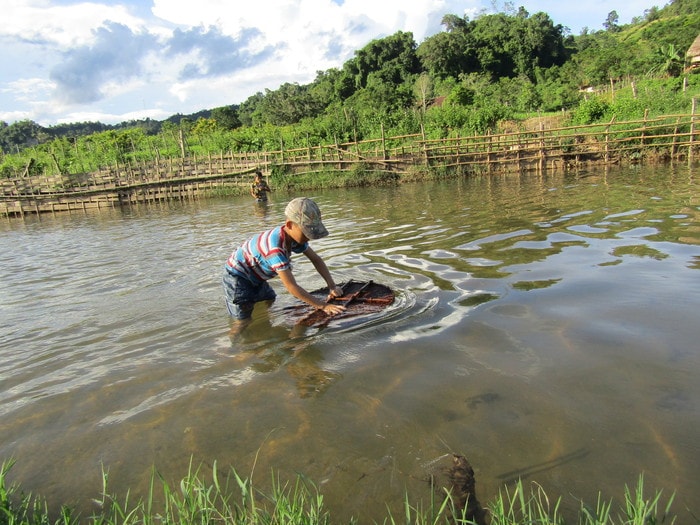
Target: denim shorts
[(241, 295)]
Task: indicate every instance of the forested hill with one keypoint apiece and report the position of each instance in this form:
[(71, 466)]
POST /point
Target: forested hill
[(493, 67)]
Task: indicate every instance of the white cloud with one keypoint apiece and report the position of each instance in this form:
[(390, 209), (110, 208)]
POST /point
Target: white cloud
[(119, 61), (65, 25), (28, 89)]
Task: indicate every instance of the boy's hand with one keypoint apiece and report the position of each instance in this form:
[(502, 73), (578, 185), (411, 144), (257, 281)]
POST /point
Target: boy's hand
[(330, 308), (333, 309), (335, 292)]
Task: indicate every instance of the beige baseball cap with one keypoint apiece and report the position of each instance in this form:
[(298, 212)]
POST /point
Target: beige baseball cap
[(306, 213)]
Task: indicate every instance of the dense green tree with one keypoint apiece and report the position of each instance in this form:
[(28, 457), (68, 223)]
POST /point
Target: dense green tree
[(19, 135), (451, 52), (603, 58), (557, 88), (78, 129), (498, 45), (248, 108), (393, 58), (455, 24), (324, 89), (205, 126), (226, 117), (288, 104), (491, 35), (651, 14)]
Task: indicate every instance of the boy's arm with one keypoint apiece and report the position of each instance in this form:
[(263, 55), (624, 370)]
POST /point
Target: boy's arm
[(322, 269), (290, 283)]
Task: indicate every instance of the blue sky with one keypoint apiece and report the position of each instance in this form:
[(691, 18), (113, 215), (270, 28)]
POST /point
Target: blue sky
[(111, 60)]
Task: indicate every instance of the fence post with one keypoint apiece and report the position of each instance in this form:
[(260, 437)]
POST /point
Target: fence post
[(543, 155), (425, 145), (383, 142), (607, 133), (675, 138), (488, 150), (337, 151), (691, 142)]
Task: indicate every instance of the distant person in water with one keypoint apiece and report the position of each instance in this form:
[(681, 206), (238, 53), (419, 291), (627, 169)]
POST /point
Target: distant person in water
[(268, 254), (260, 188)]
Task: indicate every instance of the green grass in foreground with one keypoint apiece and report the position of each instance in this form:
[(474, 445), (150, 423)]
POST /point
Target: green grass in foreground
[(198, 502)]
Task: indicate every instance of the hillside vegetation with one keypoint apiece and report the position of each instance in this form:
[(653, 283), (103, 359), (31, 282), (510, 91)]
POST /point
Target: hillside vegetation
[(468, 79)]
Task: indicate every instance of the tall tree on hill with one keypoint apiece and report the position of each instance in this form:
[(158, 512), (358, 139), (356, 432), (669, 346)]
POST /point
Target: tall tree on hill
[(287, 105), (393, 58), (450, 52), (611, 21), (226, 117), (522, 43)]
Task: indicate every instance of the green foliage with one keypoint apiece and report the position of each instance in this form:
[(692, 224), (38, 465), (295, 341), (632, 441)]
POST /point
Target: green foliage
[(679, 31), (392, 59), (462, 95), (232, 499), (589, 111), (611, 22), (451, 118), (652, 97), (226, 117), (19, 135), (288, 104), (448, 54), (555, 91), (624, 107), (247, 110), (487, 69), (668, 61), (519, 506)]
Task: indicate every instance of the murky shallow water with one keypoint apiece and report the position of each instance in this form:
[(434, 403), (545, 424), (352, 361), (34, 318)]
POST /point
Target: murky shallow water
[(545, 327)]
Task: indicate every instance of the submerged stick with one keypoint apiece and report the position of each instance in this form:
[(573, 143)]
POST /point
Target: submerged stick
[(358, 292)]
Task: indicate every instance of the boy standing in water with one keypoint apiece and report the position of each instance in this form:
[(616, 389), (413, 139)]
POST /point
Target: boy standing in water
[(260, 188), (269, 253)]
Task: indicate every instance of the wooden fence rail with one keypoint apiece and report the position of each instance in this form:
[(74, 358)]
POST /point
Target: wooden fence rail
[(667, 137)]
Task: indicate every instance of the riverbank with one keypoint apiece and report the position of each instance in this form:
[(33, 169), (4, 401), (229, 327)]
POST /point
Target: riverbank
[(196, 500), (671, 138)]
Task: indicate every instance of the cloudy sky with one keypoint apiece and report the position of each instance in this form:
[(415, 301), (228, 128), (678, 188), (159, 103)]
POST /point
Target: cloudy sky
[(115, 60)]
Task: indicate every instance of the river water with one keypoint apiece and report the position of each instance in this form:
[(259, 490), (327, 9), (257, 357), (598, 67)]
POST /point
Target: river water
[(545, 327)]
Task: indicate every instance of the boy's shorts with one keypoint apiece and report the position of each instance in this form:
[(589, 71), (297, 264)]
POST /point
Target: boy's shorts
[(241, 295)]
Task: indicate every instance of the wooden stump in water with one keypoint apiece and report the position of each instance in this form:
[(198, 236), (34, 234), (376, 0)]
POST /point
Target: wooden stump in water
[(455, 477)]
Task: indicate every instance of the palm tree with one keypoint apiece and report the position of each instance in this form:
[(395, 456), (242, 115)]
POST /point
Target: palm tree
[(668, 61)]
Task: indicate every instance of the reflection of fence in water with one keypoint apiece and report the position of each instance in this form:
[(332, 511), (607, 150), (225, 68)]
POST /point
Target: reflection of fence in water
[(670, 137)]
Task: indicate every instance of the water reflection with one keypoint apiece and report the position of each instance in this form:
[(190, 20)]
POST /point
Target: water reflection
[(544, 327)]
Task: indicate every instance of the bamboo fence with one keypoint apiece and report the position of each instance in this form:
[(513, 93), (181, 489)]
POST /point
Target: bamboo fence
[(670, 137)]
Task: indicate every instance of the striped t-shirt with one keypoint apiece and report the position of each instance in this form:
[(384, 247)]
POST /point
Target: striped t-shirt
[(262, 256)]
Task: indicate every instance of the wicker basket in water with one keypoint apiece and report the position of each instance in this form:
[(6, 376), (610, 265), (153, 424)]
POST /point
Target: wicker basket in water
[(359, 298)]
